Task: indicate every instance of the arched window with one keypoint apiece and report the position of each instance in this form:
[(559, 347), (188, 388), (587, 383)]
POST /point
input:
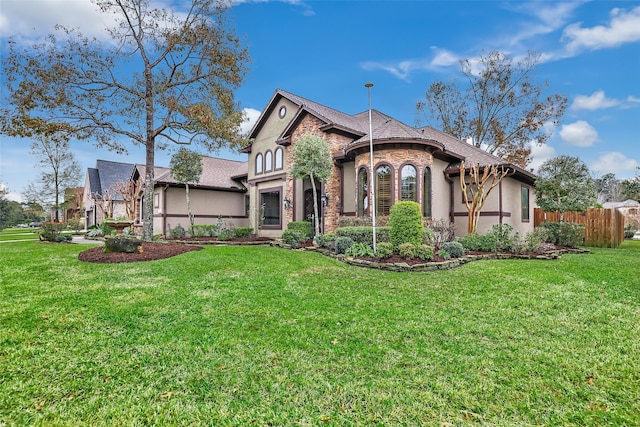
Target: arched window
[(363, 192), (278, 157), (408, 183), (426, 207), (258, 163), (268, 161), (383, 190)]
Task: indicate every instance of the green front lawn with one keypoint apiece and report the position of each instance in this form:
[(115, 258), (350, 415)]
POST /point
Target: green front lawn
[(11, 234), (264, 336)]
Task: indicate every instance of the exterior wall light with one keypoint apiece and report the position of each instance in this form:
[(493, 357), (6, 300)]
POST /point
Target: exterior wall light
[(287, 203)]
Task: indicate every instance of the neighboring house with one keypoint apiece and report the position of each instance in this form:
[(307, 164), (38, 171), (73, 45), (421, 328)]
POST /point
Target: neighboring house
[(99, 191), (629, 208), (219, 193), (419, 164)]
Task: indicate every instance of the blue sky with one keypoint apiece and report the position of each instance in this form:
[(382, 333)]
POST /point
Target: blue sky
[(327, 50)]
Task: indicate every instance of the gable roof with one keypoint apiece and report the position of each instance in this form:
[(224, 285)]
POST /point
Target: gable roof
[(385, 129), (629, 203), (220, 174), (106, 174)]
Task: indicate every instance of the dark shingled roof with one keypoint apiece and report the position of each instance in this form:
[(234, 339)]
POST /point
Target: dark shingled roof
[(216, 173), (106, 174), (385, 129)]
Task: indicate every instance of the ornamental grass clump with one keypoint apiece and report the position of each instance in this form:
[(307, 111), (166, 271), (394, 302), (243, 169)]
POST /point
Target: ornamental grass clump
[(405, 224)]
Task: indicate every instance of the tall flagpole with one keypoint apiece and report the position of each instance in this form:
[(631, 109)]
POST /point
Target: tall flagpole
[(368, 85)]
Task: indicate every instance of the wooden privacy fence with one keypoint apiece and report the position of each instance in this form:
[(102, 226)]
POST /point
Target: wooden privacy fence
[(603, 227)]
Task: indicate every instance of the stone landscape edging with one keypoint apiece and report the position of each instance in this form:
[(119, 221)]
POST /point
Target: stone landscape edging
[(444, 265)]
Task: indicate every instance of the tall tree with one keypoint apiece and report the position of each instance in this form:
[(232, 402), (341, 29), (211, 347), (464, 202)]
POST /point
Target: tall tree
[(608, 188), (631, 187), (5, 207), (165, 76), (186, 167), (564, 184), (476, 190), (312, 159), (59, 170), (501, 109)]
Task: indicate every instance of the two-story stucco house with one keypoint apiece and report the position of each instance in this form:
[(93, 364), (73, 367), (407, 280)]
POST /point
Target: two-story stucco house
[(419, 164)]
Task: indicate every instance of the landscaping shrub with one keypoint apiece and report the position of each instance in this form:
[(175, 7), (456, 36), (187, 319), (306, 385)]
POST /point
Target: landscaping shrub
[(405, 223), (75, 224), (443, 231), (94, 232), (428, 236), (535, 239), (343, 243), (364, 234), (50, 232), (478, 242), (629, 231), (354, 221), (454, 249), (444, 254), (564, 233), (293, 238), (424, 252), (226, 234), (244, 231), (504, 236), (384, 250), (303, 227), (360, 250), (177, 232), (203, 230), (407, 250)]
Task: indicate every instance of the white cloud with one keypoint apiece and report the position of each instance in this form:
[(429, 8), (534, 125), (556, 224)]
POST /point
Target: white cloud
[(596, 101), (251, 117), (540, 154), (440, 59), (28, 21), (614, 162), (579, 134), (624, 27)]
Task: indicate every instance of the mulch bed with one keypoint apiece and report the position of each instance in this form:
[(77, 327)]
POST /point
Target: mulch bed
[(150, 252)]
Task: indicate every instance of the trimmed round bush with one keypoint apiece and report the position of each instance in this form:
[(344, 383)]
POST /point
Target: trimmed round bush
[(455, 249), (424, 252), (405, 224), (303, 227), (342, 244), (407, 250), (384, 250)]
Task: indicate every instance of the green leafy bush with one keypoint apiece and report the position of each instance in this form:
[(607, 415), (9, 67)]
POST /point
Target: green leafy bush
[(244, 231), (177, 232), (455, 249), (478, 242), (442, 253), (407, 250), (343, 243), (293, 238), (226, 234), (384, 250), (303, 227), (364, 234), (360, 250), (405, 223), (428, 236), (424, 252), (51, 231), (354, 221), (505, 238), (534, 239), (564, 233), (203, 230)]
